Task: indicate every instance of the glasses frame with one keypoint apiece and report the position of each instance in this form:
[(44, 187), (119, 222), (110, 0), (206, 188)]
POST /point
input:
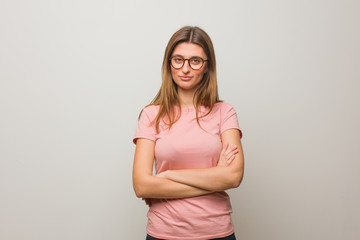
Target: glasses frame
[(188, 59)]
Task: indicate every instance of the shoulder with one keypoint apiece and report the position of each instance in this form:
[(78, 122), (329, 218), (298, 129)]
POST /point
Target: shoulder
[(151, 111), (226, 111), (223, 110), (228, 117), (152, 108), (223, 107)]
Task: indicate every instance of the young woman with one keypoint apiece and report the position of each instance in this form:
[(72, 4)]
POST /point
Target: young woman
[(194, 140)]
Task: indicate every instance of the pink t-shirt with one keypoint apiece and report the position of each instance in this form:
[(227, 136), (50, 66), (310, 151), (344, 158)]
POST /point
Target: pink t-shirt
[(187, 146)]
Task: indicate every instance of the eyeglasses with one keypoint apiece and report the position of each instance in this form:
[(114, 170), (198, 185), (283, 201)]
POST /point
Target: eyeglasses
[(195, 63)]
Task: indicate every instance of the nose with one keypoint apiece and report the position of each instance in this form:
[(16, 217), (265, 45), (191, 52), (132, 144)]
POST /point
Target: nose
[(186, 67)]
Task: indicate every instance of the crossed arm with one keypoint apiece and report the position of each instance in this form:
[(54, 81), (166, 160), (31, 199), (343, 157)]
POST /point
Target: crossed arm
[(189, 182)]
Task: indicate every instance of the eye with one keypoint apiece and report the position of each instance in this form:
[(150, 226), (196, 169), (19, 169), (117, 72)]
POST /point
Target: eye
[(196, 61), (177, 59)]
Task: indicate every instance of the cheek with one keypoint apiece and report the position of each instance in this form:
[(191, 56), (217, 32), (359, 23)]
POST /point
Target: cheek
[(173, 73), (200, 75)]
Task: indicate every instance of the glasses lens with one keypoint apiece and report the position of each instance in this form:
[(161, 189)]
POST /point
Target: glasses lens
[(196, 63), (177, 62)]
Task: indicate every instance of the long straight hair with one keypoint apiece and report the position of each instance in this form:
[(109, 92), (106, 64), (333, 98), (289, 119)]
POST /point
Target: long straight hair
[(206, 93)]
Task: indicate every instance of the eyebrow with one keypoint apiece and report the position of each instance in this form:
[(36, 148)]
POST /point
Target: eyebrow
[(178, 55)]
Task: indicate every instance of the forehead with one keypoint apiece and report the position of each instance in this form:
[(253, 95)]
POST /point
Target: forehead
[(188, 50)]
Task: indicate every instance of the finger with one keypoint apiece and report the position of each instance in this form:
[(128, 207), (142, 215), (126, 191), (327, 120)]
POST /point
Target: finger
[(232, 152), (233, 148), (222, 153), (224, 150), (230, 159), (235, 151)]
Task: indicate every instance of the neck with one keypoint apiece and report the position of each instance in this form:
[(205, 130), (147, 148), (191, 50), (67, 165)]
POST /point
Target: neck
[(186, 98)]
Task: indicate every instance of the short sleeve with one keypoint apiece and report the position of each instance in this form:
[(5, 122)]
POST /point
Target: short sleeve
[(229, 118), (145, 128)]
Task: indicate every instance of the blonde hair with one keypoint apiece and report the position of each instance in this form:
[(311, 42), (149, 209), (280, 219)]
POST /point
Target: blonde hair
[(206, 93)]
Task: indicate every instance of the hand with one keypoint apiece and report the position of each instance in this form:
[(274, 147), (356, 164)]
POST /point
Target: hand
[(227, 155)]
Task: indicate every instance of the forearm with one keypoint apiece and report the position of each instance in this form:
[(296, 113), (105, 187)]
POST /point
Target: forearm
[(148, 186), (219, 178), (156, 187), (211, 179)]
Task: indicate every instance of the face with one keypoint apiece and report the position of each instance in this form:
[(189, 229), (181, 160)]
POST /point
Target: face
[(186, 78)]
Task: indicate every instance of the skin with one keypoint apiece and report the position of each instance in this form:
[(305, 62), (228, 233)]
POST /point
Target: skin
[(186, 87), (190, 182)]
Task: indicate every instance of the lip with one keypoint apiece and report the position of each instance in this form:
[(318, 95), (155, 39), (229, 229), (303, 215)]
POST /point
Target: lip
[(185, 78)]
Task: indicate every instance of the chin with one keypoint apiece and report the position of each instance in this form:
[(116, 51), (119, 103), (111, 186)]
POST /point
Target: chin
[(186, 87)]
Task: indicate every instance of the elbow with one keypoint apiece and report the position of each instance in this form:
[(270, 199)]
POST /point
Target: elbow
[(232, 179), (143, 186), (138, 192), (233, 183), (236, 179), (236, 183), (139, 189)]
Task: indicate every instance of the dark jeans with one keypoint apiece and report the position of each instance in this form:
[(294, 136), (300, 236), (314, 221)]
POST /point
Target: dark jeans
[(231, 237)]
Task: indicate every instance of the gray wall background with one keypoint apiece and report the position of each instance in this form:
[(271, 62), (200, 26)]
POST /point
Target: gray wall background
[(74, 76)]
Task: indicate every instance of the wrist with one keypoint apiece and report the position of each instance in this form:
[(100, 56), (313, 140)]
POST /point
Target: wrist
[(167, 173), (163, 174)]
